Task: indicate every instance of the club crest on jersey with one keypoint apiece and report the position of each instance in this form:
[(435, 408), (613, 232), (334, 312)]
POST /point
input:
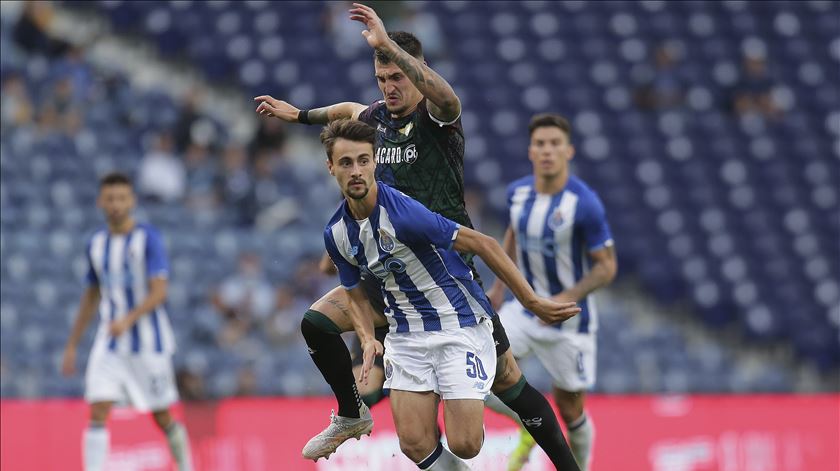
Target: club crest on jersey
[(556, 220), (386, 242)]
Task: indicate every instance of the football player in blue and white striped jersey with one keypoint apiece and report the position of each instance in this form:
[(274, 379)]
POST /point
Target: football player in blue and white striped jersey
[(131, 357), (440, 344), (559, 235)]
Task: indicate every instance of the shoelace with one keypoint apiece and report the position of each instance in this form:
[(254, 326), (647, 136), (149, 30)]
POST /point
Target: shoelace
[(332, 416)]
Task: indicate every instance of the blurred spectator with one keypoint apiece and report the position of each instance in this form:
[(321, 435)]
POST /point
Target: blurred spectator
[(270, 136), (284, 324), (183, 133), (346, 34), (246, 295), (310, 282), (190, 385), (16, 106), (30, 30), (423, 25), (78, 72), (237, 182), (754, 91), (202, 178), (266, 188), (162, 176), (661, 86), (246, 382)]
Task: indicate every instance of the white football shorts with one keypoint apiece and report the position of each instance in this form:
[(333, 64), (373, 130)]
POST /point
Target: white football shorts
[(569, 357), (146, 381), (458, 364)]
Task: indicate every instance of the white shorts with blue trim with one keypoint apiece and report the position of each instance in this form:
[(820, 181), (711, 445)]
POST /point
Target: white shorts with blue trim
[(569, 357), (146, 381), (455, 364)]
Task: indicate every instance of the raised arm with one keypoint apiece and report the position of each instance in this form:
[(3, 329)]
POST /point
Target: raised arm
[(443, 103), (270, 106), (491, 252)]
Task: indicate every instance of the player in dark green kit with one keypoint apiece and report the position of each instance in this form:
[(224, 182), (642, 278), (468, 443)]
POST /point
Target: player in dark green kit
[(419, 151)]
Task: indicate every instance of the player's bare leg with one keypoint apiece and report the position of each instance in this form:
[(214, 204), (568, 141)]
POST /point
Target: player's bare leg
[(415, 418), (371, 393), (176, 436), (579, 424), (96, 437), (534, 410), (464, 420), (321, 327)]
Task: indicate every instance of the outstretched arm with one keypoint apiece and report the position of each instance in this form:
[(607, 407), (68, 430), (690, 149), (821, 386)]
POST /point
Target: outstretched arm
[(496, 293), (270, 106), (443, 103), (491, 252)]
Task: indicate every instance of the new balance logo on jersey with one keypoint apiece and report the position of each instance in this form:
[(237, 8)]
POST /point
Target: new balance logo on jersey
[(535, 422)]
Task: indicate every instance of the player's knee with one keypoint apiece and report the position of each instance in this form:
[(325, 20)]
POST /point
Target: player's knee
[(99, 413), (162, 418), (465, 447), (416, 447), (315, 324), (507, 375)]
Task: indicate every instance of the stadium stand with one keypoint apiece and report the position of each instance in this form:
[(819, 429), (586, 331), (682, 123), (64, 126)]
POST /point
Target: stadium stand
[(728, 208)]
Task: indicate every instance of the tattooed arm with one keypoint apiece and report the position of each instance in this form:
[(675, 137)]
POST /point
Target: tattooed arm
[(271, 106), (443, 103)]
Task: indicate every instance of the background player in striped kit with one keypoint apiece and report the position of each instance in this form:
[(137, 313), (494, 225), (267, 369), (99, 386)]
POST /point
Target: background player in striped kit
[(420, 151), (131, 357), (559, 234), (440, 334)]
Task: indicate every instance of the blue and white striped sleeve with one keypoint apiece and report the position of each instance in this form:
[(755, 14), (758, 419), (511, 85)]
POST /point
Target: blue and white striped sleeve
[(91, 278), (157, 263), (416, 224), (596, 229), (348, 273)]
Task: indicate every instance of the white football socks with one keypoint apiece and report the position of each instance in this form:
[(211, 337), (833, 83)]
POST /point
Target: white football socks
[(95, 447), (179, 446), (582, 439)]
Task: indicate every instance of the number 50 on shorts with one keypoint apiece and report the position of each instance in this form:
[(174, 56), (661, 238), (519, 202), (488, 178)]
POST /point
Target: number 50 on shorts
[(475, 369)]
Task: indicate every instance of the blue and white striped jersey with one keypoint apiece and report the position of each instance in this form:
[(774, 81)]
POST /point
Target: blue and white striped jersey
[(122, 265), (425, 283), (554, 235)]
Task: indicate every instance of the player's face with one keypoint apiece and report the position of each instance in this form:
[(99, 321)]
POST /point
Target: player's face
[(117, 202), (352, 164), (397, 90), (550, 151)]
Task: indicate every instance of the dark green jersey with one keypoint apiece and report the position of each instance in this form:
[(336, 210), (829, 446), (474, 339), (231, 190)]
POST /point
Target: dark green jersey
[(421, 157)]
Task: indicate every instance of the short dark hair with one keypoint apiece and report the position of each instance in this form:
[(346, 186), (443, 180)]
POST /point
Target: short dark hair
[(114, 178), (406, 41), (350, 129), (545, 120)]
